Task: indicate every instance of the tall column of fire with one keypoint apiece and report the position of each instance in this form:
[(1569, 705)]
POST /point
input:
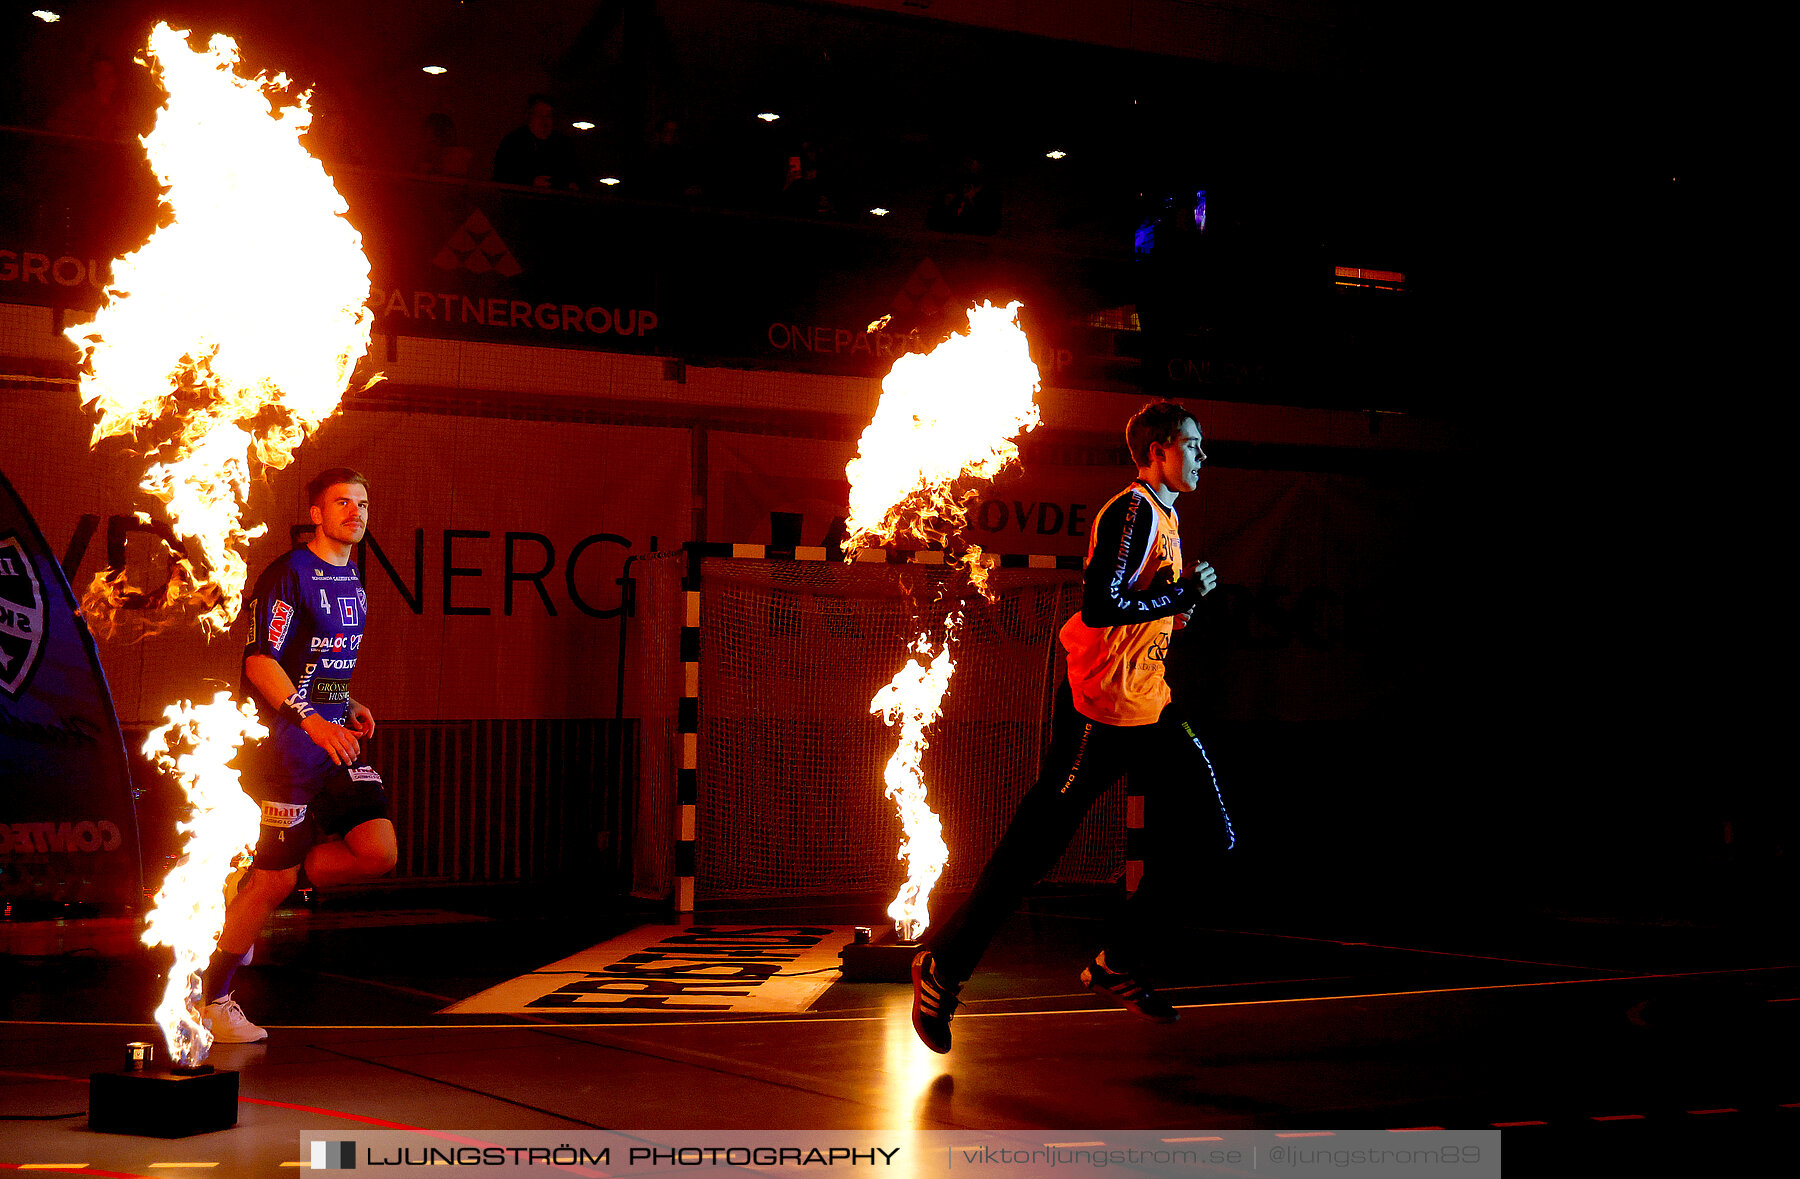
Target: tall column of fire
[(945, 425), (223, 342)]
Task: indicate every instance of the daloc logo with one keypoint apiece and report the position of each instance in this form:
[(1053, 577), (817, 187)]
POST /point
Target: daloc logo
[(21, 616)]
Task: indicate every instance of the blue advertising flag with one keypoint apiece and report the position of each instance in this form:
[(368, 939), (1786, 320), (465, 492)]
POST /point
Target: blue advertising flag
[(68, 827)]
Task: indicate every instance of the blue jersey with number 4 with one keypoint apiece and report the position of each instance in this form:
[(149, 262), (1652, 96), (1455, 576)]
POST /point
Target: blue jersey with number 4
[(307, 615)]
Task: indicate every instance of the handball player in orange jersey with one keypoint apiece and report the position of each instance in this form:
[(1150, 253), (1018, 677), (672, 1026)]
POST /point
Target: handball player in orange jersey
[(1112, 717)]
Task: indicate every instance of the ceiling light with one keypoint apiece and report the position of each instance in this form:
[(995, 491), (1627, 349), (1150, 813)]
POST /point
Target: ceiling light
[(436, 70), (1055, 155), (46, 16), (609, 181), (584, 125), (879, 211), (768, 116)]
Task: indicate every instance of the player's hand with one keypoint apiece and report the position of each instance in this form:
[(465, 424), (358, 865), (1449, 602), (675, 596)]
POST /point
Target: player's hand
[(1181, 620), (335, 740), (362, 721), (1202, 574)]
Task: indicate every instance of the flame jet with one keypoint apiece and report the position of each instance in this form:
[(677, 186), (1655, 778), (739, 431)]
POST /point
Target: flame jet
[(232, 333), (216, 378), (944, 426), (223, 822)]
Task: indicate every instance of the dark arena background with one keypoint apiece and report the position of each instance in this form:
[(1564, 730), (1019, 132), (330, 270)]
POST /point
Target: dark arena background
[(1447, 299)]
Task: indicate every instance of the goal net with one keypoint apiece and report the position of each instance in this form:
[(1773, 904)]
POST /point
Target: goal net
[(789, 760)]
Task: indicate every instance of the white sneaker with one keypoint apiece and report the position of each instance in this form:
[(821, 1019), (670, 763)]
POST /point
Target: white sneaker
[(228, 1023)]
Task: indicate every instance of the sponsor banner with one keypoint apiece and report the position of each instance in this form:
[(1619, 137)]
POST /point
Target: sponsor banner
[(496, 548), (1293, 633), (481, 262), (1033, 508), (492, 565), (68, 827), (751, 476), (1421, 1153), (707, 969), (473, 261)]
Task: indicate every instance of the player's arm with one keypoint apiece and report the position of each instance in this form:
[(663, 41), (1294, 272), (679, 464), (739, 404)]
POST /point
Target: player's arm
[(361, 719), (1122, 538), (267, 677), (1206, 579)]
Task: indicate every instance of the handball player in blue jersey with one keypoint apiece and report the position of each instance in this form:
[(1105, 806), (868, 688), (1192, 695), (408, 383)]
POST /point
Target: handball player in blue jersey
[(306, 628)]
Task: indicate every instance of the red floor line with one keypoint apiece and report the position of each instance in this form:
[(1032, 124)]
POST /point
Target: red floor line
[(84, 1171)]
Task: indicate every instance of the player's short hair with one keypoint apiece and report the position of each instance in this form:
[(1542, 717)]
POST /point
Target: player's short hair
[(331, 478), (1155, 424)]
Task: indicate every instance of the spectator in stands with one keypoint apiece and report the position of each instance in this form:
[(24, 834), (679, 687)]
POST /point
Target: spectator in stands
[(670, 173), (803, 192), (969, 204), (97, 109), (534, 154), (439, 152)]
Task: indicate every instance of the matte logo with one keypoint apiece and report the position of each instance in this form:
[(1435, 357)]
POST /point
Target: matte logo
[(280, 614), (21, 616), (283, 814)]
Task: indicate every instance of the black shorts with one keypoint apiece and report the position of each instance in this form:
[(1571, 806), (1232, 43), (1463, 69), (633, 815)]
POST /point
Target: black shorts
[(294, 818)]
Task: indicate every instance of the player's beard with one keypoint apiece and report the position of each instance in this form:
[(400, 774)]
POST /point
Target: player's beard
[(344, 534)]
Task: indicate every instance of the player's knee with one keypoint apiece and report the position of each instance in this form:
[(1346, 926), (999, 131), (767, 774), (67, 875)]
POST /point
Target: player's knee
[(376, 857), (269, 886)]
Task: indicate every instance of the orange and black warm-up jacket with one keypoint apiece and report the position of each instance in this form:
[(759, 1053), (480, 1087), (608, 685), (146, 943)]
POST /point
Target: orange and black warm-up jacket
[(1132, 590)]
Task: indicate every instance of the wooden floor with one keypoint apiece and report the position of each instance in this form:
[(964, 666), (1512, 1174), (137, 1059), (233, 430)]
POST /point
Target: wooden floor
[(1574, 1035)]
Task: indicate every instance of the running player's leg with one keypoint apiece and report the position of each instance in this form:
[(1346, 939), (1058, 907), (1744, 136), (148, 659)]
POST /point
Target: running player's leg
[(353, 803), (1187, 832), (1085, 757), (368, 850), (258, 896), (1083, 760), (288, 831)]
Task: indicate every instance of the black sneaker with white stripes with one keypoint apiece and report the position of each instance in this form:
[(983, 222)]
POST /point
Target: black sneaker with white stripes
[(934, 1002), (1125, 990)]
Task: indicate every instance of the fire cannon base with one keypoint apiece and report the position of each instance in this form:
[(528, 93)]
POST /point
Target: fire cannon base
[(885, 959), (158, 1104)]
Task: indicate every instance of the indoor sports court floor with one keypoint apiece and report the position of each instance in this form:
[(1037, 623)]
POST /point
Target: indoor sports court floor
[(1602, 1034)]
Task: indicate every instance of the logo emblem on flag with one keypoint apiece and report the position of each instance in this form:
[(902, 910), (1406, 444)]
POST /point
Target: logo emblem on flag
[(333, 1156), (21, 616)]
